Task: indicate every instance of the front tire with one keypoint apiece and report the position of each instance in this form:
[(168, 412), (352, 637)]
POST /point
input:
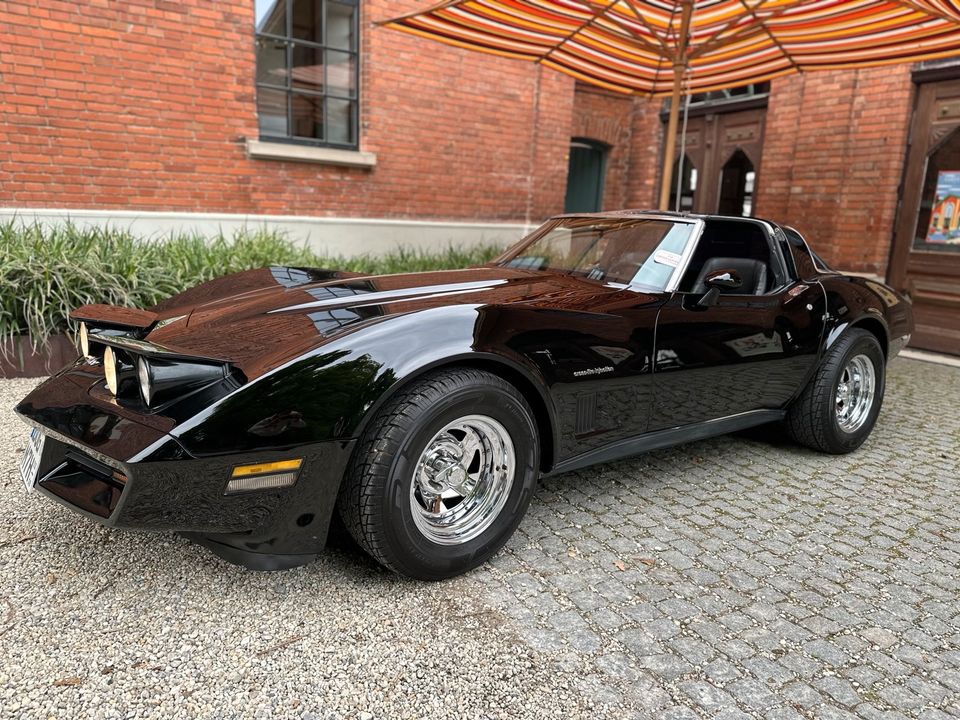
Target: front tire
[(443, 474), (839, 407)]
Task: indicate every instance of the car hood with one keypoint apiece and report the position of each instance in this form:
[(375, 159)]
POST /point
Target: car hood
[(260, 319)]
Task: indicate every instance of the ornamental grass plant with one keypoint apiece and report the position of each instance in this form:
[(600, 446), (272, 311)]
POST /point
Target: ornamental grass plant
[(46, 271)]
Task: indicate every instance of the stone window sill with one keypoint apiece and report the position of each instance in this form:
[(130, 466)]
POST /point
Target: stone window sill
[(264, 150)]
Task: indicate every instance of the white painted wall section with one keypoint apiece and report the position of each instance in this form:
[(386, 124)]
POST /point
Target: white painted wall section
[(324, 235)]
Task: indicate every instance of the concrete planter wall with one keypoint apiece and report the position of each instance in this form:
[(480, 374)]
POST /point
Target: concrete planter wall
[(20, 360), (324, 235)]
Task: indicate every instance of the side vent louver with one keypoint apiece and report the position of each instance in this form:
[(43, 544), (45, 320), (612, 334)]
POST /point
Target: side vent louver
[(586, 413)]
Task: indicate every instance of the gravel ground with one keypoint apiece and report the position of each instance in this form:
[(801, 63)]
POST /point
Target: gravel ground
[(100, 623), (738, 577)]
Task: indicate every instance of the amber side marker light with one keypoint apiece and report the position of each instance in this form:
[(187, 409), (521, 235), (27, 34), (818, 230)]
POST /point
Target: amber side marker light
[(263, 476)]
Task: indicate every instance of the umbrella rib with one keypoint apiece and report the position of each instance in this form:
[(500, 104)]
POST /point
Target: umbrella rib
[(715, 40), (597, 14), (769, 33), (643, 21), (432, 9), (667, 53), (933, 11)]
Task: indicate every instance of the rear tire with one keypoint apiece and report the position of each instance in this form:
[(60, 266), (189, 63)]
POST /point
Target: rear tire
[(443, 474), (839, 407)]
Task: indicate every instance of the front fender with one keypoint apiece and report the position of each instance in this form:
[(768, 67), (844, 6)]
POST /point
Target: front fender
[(412, 345), (332, 392)]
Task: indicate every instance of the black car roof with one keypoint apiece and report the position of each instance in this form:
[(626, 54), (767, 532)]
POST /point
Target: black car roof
[(630, 213)]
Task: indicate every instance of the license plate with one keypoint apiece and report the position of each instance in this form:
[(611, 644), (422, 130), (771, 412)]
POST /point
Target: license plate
[(30, 462)]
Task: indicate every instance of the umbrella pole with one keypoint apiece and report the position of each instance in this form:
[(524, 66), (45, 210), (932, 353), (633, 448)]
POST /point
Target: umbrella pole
[(679, 69)]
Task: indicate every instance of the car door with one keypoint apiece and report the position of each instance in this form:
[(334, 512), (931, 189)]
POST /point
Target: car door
[(604, 387), (590, 330), (743, 353), (595, 357)]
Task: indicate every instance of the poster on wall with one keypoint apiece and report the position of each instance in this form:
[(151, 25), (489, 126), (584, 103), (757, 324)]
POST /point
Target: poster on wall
[(945, 214)]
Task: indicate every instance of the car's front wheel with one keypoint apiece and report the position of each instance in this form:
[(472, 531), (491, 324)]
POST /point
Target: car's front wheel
[(839, 407), (443, 474)]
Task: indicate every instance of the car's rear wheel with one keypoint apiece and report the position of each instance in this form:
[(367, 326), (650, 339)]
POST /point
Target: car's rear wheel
[(840, 405), (443, 474)]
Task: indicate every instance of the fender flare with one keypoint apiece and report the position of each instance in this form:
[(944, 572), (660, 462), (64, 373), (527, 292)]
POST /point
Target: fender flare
[(511, 369), (871, 320)]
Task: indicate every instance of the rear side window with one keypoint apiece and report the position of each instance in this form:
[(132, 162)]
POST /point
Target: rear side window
[(785, 252), (807, 261)]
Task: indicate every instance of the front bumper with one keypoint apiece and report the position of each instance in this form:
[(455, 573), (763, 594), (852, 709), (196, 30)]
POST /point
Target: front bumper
[(101, 461)]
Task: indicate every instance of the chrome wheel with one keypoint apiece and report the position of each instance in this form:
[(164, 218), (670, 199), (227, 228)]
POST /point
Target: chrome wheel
[(462, 480), (855, 393)]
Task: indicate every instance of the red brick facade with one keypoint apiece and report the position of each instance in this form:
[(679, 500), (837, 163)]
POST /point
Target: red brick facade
[(146, 105), (833, 157), (631, 128)]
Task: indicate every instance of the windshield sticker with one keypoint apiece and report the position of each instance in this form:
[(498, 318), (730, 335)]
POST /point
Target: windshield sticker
[(665, 257)]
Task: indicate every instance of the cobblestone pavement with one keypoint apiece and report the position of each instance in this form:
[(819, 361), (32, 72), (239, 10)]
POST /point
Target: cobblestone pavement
[(748, 577), (737, 577)]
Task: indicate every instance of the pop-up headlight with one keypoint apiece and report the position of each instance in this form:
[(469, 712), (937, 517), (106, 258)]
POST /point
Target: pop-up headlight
[(162, 380), (117, 369), (84, 340)]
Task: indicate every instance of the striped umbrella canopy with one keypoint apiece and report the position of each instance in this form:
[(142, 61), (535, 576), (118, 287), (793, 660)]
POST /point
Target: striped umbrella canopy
[(671, 47)]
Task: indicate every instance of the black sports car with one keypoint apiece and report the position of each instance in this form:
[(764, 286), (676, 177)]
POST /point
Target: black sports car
[(423, 407)]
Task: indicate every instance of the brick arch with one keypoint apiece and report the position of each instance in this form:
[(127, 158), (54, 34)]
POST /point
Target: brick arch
[(592, 142), (610, 131)]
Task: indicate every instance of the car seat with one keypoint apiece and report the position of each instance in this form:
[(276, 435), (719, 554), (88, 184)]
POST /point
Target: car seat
[(752, 272)]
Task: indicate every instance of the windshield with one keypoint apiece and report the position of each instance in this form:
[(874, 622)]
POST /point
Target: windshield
[(641, 252)]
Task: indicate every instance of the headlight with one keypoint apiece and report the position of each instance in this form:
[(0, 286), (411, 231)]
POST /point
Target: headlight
[(84, 340), (143, 375), (118, 371), (162, 380), (110, 369)]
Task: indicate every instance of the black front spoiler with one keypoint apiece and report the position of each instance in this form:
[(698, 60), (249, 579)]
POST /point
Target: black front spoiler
[(233, 551)]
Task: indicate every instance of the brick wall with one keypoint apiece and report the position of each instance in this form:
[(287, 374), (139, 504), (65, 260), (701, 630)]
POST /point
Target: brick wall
[(832, 160), (145, 104), (630, 126), (832, 157), (643, 185), (606, 116), (548, 160)]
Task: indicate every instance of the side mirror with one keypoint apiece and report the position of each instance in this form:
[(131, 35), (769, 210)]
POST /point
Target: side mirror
[(721, 279)]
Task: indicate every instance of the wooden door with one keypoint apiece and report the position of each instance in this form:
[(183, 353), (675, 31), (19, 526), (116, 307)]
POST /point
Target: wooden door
[(721, 163), (925, 261)]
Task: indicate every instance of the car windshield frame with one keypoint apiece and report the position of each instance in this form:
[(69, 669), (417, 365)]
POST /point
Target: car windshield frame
[(696, 229)]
